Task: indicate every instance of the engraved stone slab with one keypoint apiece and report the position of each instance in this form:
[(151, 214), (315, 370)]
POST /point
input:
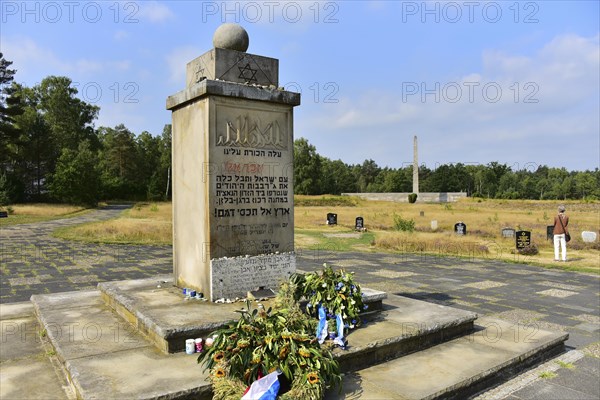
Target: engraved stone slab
[(588, 236), (460, 228), (235, 277), (522, 239), (250, 180), (508, 232), (233, 66)]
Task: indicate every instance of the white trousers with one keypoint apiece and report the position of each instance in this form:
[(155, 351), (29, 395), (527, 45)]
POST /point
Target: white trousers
[(559, 241)]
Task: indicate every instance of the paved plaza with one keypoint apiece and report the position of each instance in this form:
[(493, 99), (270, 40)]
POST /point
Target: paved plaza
[(33, 262)]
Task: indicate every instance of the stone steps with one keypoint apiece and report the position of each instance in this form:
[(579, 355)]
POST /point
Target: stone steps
[(495, 352), (411, 349), (105, 358), (167, 319)]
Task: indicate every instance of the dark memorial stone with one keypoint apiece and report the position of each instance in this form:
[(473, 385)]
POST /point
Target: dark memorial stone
[(331, 219), (550, 232), (3, 214), (522, 239), (460, 228), (359, 224)]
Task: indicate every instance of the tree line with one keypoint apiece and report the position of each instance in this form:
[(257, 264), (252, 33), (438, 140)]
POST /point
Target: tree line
[(50, 150), (315, 174)]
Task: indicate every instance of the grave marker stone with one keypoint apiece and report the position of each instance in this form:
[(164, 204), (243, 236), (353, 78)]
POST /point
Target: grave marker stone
[(460, 228), (3, 214), (522, 239), (434, 225), (233, 198), (550, 232), (331, 219), (588, 236), (359, 224), (508, 232)]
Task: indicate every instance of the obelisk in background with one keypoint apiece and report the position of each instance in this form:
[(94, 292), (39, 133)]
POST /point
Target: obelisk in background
[(415, 167)]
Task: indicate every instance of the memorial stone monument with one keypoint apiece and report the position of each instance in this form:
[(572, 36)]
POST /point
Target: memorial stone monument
[(460, 228), (522, 239), (233, 196)]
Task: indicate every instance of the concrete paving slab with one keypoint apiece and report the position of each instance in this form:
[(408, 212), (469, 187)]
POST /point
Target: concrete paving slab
[(26, 370), (142, 373), (85, 329), (13, 310), (407, 326), (546, 390), (20, 338), (69, 300), (31, 378), (519, 338), (106, 359), (407, 312)]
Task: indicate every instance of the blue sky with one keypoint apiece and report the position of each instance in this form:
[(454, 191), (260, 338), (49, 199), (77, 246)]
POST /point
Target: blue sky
[(477, 81)]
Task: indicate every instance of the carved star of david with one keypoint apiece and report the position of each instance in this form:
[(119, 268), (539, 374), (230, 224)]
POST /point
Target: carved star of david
[(247, 73), (199, 73)]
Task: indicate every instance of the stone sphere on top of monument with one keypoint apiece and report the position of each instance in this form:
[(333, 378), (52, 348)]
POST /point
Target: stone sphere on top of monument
[(232, 37)]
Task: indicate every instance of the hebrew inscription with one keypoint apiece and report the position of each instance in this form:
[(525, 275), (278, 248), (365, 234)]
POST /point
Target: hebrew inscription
[(232, 276), (251, 182)]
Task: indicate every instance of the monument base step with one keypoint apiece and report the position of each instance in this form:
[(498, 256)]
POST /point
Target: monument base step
[(161, 312), (494, 353), (104, 356)]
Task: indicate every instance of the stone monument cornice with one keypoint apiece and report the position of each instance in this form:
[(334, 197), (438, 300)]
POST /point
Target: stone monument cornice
[(232, 89)]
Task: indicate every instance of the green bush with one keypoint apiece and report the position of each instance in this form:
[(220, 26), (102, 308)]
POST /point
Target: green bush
[(412, 198), (530, 250), (402, 224)]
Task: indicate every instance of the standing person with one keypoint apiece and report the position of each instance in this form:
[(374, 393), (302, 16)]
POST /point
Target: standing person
[(561, 221)]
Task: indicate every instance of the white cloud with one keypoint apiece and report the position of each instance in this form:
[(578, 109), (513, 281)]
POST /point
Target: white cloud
[(154, 11), (33, 61), (29, 58), (546, 101)]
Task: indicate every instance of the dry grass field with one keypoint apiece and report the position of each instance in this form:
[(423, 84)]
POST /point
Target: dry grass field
[(484, 219), (145, 223), (26, 213), (151, 223)]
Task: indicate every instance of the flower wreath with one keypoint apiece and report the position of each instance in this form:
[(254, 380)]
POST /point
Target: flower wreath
[(334, 290), (263, 341)]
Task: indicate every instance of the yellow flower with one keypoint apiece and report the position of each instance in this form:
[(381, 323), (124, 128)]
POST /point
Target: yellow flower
[(219, 373), (313, 377), (283, 352), (304, 352), (218, 356)]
